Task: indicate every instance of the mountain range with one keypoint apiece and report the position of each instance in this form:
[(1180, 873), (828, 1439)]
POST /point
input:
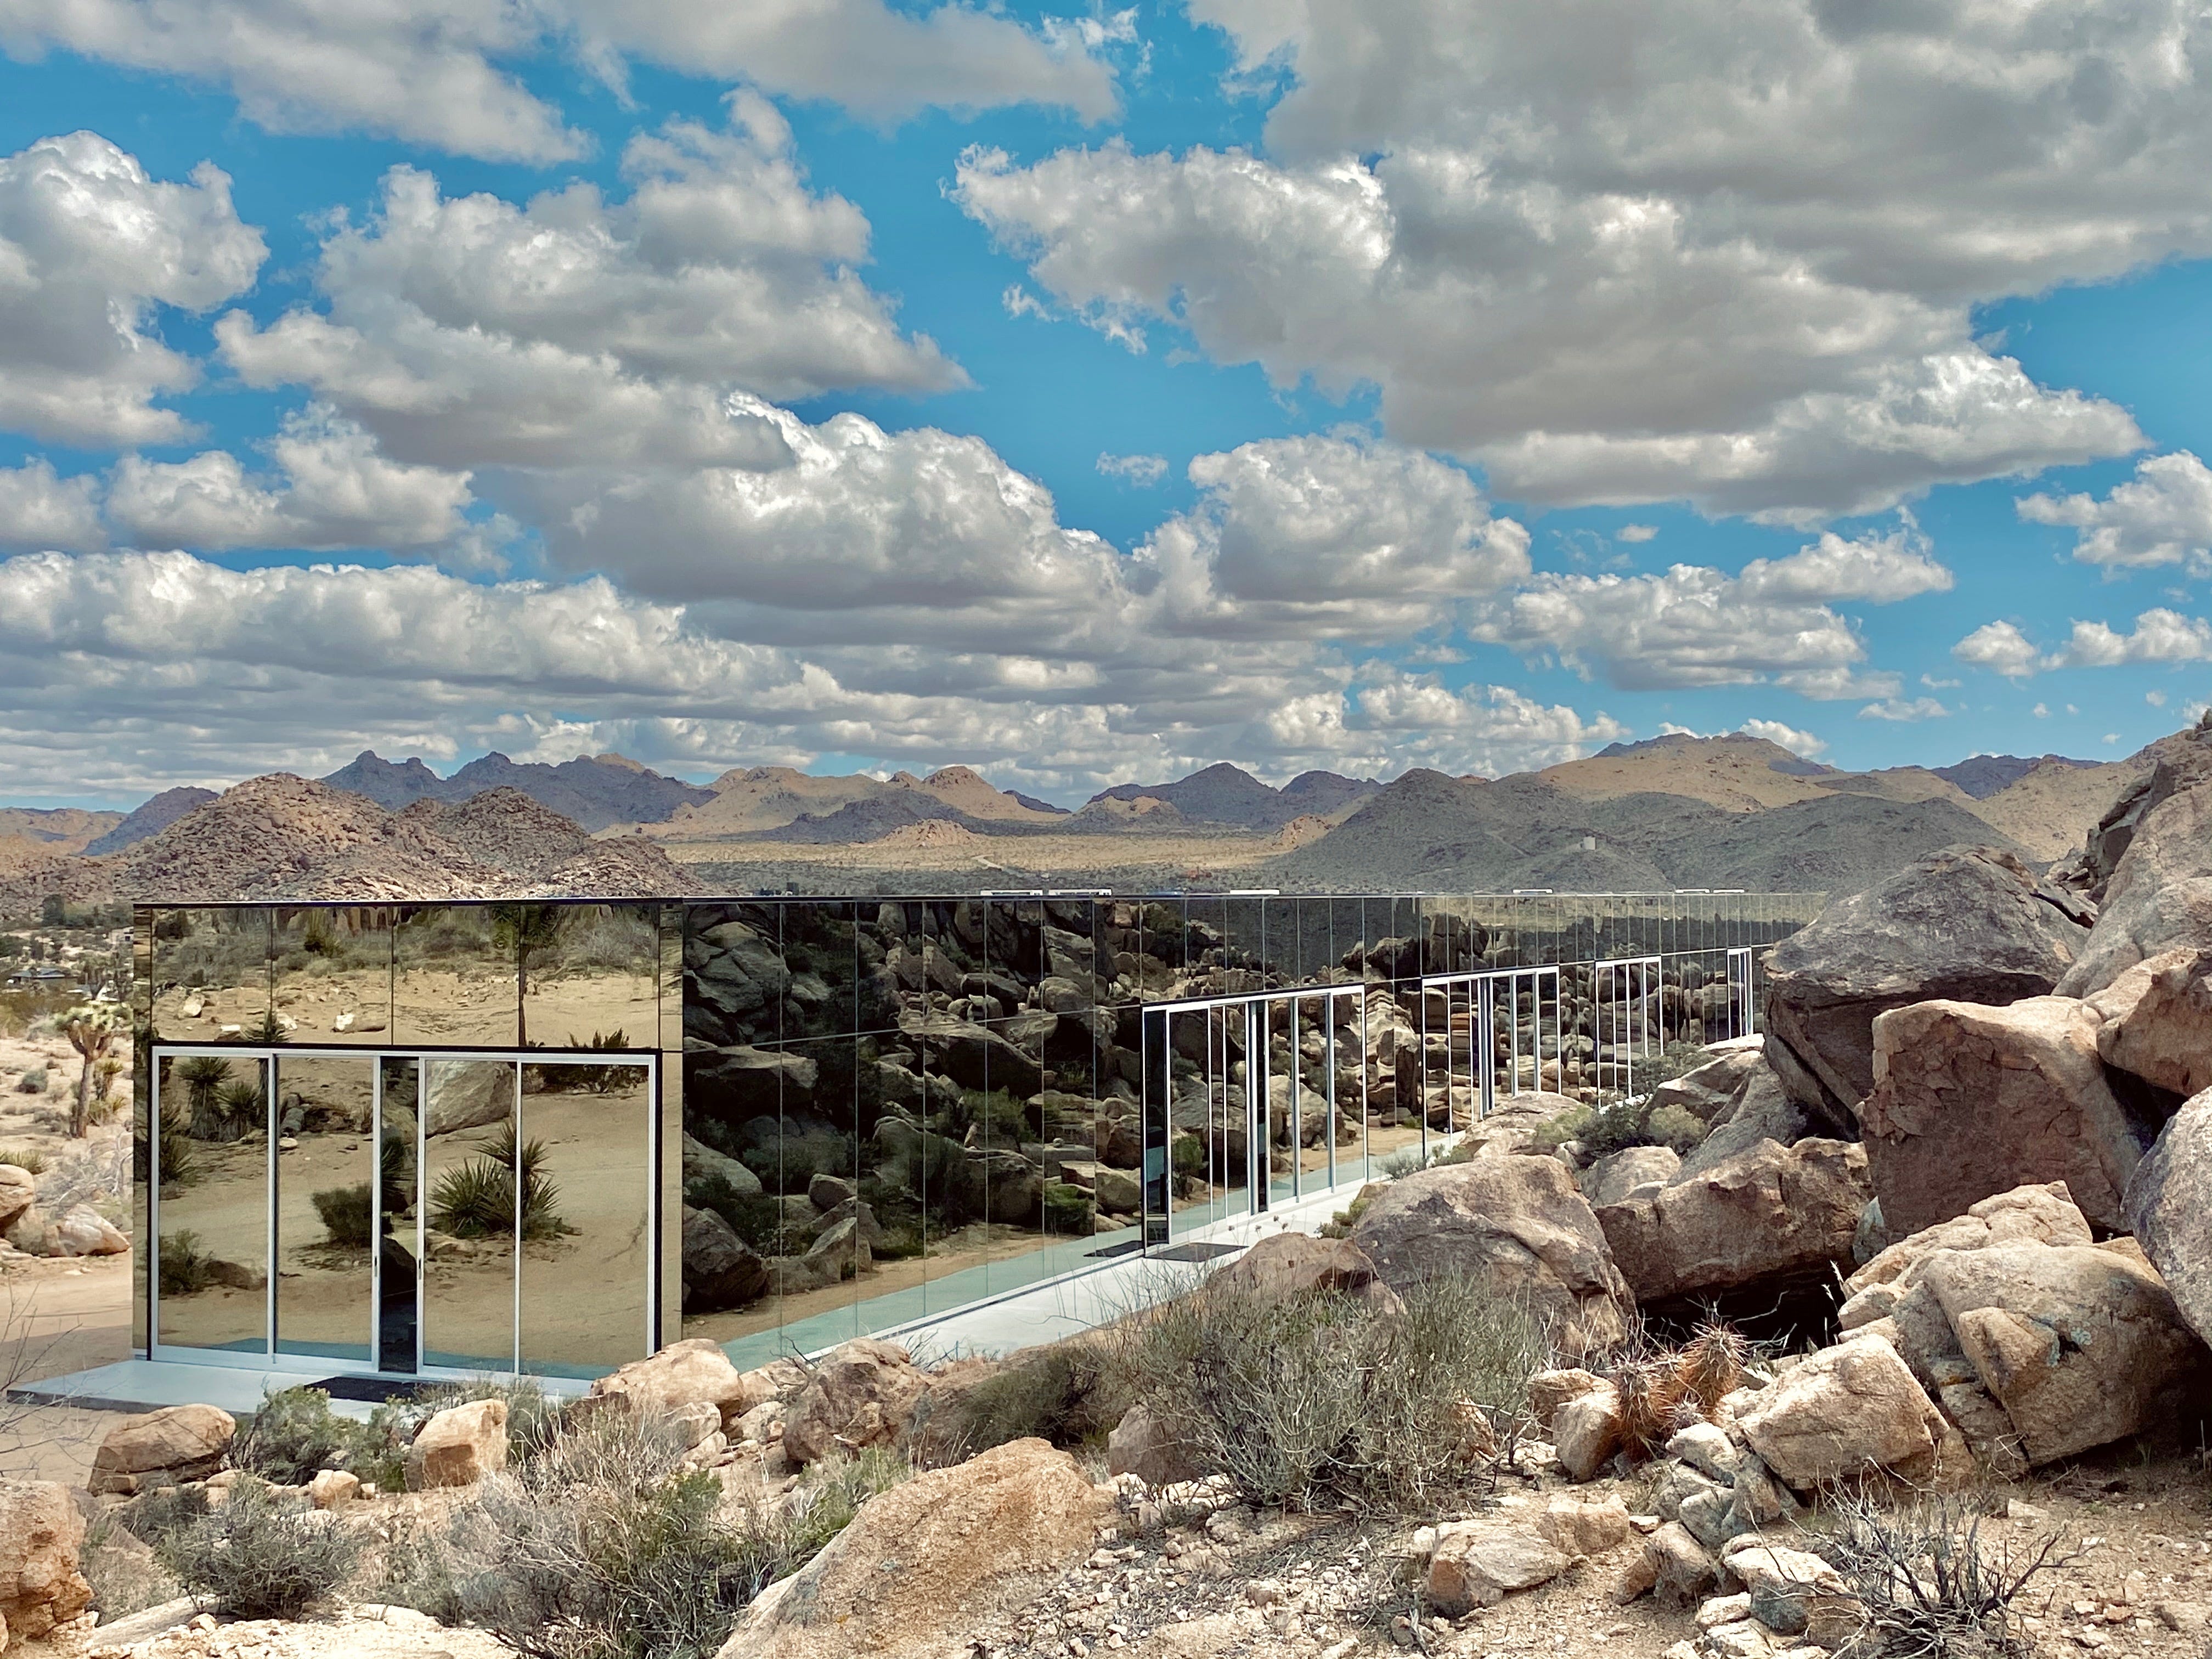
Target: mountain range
[(1673, 811)]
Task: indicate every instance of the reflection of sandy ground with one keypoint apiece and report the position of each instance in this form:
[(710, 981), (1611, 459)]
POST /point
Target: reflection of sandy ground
[(974, 1246), (584, 1294), (441, 1005), (225, 1207)]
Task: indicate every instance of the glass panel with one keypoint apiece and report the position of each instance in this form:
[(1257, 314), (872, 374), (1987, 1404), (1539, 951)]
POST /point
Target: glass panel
[(453, 979), (210, 974), (331, 973), (326, 1204), (213, 1171), (590, 974), (398, 1229), (469, 1191), (587, 1189)]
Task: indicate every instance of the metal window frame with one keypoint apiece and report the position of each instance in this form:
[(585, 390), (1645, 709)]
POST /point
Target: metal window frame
[(322, 1365)]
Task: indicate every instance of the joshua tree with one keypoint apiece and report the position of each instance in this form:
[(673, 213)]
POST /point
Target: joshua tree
[(526, 931), (91, 1030)]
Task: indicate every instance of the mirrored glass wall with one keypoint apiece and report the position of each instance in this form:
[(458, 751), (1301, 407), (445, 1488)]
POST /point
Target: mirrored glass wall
[(872, 1110)]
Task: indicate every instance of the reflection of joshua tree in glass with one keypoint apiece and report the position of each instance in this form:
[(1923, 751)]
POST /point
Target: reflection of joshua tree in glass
[(523, 932), (203, 1076)]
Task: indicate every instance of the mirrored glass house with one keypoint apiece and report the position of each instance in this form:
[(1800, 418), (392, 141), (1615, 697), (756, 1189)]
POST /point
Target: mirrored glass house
[(548, 1137)]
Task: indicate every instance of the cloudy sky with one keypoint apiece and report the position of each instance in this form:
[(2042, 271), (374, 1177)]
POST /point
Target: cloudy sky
[(1088, 395)]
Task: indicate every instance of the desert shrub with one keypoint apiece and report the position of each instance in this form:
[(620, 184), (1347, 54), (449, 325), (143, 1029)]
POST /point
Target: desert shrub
[(1325, 1401), (33, 1082), (28, 1159), (154, 1513), (1932, 1586), (1403, 1162), (260, 1557), (1068, 1393), (293, 1434), (122, 1569), (348, 1216), (185, 1268), (604, 1548), (1621, 1124), (997, 1119), (1067, 1208)]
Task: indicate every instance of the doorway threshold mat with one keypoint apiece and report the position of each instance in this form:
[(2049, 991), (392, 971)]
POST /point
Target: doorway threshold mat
[(1196, 1252)]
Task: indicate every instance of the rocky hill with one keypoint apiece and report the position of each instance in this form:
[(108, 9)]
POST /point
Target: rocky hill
[(61, 828), (1467, 834), (1222, 794), (597, 791), (149, 820), (282, 836)]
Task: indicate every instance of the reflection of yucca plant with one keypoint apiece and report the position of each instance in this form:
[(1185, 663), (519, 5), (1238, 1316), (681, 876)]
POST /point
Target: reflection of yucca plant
[(242, 1112), (476, 1200)]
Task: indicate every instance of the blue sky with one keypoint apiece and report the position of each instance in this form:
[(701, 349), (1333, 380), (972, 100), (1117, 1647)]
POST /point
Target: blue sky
[(1091, 395)]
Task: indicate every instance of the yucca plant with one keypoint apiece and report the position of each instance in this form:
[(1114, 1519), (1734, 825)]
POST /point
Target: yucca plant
[(476, 1200)]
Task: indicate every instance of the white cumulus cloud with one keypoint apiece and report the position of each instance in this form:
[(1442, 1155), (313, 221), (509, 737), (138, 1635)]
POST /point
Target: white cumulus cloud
[(445, 75), (1801, 744), (92, 246), (1728, 253), (1692, 625), (39, 509), (2163, 515)]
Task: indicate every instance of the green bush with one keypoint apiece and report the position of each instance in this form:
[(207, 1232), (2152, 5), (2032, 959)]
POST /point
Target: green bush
[(29, 1159), (348, 1216), (293, 1435), (1621, 1124), (185, 1267), (33, 1082), (258, 1557), (1326, 1402), (755, 1218), (1068, 1208)]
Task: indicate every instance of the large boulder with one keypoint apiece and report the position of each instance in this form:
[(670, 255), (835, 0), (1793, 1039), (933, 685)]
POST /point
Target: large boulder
[(1283, 1266), (1515, 1226), (19, 1190), (1761, 1110), (2159, 898), (1970, 1100), (1709, 1089), (2180, 763), (468, 1098), (2026, 1215), (720, 1270), (2169, 1206), (2156, 1021), (2079, 1345), (1615, 1176), (458, 1446), (163, 1448), (2034, 1342), (739, 1080), (1850, 1410), (927, 1563), (688, 1373), (41, 1532), (1964, 925), (702, 1162), (860, 1395), (1769, 1213), (1140, 1445), (973, 1056)]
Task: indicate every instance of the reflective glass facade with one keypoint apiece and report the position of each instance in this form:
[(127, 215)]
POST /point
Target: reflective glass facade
[(546, 1136)]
